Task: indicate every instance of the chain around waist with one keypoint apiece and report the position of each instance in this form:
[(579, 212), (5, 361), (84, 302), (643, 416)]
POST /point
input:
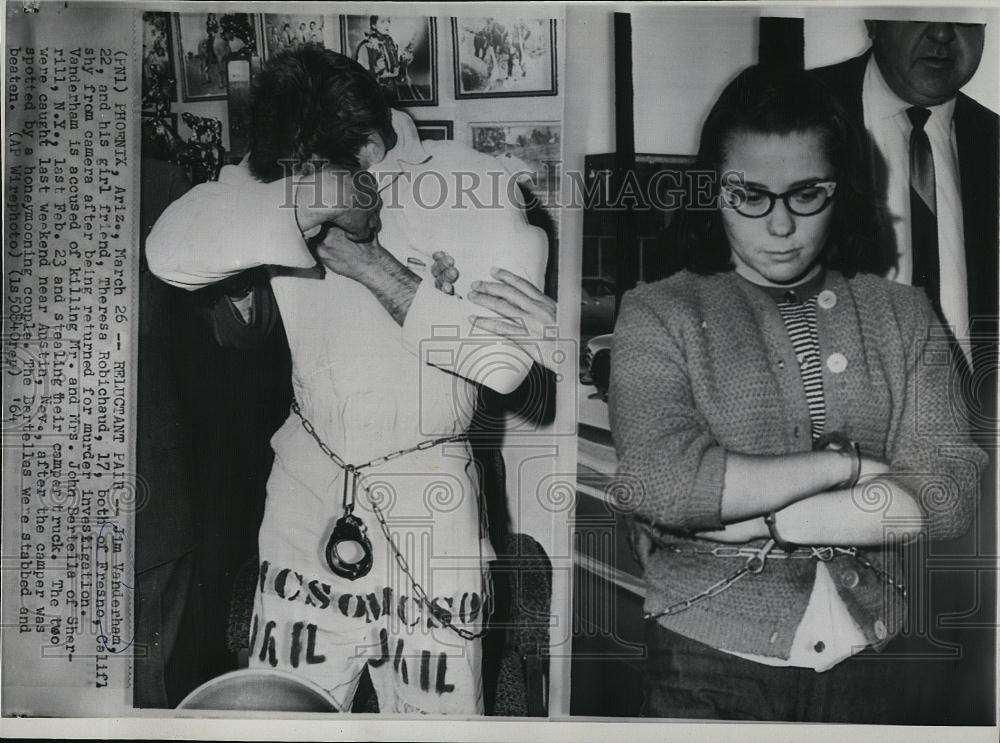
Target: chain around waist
[(823, 553), (755, 560)]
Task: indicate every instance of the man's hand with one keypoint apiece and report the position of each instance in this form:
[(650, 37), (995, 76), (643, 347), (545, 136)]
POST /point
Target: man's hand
[(393, 284), (347, 257), (346, 199), (517, 299), (444, 272), (526, 311)]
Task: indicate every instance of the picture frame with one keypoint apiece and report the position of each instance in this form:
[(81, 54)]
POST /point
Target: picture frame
[(158, 66), (401, 51), (204, 43), (281, 31), (437, 131), (531, 152), (169, 119), (505, 57), (533, 148)]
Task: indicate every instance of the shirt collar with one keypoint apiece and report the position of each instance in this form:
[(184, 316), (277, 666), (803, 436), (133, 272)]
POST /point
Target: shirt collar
[(883, 103), (408, 151)]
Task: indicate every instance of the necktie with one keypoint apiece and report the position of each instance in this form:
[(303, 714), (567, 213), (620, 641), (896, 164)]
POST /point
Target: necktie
[(923, 207)]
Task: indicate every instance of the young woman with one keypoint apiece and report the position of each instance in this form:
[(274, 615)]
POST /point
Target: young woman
[(788, 421)]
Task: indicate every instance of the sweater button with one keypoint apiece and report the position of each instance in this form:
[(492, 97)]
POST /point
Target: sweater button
[(827, 299), (850, 578), (819, 647), (836, 362), (880, 630)]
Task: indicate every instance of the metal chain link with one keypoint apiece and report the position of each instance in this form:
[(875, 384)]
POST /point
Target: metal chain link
[(419, 589), (354, 470), (805, 553), (754, 565), (378, 461), (823, 554)]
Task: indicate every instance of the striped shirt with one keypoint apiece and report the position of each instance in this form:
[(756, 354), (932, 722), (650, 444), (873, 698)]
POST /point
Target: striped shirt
[(800, 321)]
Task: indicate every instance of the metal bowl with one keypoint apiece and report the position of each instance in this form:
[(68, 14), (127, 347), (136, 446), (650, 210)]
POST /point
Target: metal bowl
[(260, 689)]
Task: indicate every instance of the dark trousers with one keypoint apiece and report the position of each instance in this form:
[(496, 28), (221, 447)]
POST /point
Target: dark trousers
[(687, 679)]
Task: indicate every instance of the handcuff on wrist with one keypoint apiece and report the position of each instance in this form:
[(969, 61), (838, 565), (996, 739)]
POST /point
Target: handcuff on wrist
[(846, 447), (773, 530), (834, 441)]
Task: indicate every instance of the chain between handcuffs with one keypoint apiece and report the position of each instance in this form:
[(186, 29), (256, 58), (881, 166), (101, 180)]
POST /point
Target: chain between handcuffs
[(352, 473), (754, 565)]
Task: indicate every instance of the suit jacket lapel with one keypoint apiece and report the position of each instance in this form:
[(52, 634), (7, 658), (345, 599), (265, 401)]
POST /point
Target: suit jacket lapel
[(977, 163)]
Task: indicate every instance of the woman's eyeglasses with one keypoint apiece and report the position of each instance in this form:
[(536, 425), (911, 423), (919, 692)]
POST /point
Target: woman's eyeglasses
[(803, 201)]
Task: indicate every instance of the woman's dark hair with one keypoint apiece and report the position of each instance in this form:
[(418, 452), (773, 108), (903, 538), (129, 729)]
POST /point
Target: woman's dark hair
[(765, 100), (313, 105)]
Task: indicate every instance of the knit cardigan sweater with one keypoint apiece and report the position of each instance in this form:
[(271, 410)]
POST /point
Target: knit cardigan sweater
[(702, 365)]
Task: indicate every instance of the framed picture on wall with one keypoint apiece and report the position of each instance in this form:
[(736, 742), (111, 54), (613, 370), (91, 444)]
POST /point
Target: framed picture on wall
[(504, 57), (400, 51), (435, 130), (205, 43), (532, 153), (158, 69), (170, 120), (282, 31)]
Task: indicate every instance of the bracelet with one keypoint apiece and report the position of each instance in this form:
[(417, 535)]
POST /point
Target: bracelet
[(773, 530), (840, 443)]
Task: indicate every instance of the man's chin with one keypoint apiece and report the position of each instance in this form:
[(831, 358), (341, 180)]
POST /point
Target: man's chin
[(937, 82)]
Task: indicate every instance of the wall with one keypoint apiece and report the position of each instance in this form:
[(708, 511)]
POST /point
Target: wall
[(589, 129), (682, 58)]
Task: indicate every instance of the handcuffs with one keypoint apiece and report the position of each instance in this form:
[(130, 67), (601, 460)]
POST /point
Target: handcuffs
[(348, 550), (833, 441)]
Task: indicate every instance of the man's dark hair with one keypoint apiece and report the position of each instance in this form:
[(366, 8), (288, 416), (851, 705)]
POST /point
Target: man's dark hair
[(312, 105), (372, 20), (768, 100)]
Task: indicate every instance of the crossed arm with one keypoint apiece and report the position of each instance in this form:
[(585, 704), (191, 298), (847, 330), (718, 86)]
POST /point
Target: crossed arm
[(692, 484), (800, 489)]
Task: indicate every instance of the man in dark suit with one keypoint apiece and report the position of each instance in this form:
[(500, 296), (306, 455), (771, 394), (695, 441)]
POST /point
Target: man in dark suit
[(925, 65), (935, 165)]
